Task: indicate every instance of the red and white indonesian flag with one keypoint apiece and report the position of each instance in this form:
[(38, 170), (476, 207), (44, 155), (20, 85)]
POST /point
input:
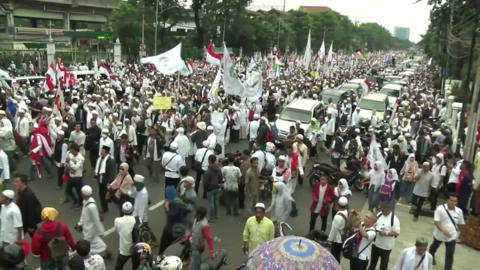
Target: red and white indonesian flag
[(50, 79), (212, 57), (61, 71), (104, 69)]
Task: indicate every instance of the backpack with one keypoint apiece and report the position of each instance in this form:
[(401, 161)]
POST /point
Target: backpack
[(353, 148), (268, 135), (338, 146), (58, 247), (386, 191), (274, 133), (350, 249), (142, 233)]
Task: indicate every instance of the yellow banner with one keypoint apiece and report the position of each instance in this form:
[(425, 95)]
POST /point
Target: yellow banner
[(162, 103)]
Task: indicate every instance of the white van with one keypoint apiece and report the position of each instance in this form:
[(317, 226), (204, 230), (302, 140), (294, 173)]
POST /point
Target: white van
[(373, 102), (83, 74), (302, 110)]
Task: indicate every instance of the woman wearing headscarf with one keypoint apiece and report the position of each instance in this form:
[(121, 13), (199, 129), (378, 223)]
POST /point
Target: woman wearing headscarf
[(281, 202), (40, 242), (408, 174), (341, 190), (377, 177), (387, 189), (121, 189)]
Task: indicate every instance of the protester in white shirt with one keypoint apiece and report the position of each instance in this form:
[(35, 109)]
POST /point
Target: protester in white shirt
[(91, 262), (124, 226), (140, 211), (11, 229), (4, 166), (367, 232), (90, 224), (439, 170), (338, 226), (448, 218), (415, 258), (106, 141), (388, 228), (172, 162)]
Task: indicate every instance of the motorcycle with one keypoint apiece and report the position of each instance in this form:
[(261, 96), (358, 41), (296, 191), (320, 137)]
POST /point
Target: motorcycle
[(181, 248), (352, 174)]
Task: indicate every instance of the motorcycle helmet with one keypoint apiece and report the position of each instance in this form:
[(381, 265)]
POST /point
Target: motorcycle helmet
[(11, 255), (170, 263)]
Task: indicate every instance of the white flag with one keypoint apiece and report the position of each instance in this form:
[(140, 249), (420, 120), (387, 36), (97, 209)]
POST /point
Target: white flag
[(321, 51), (330, 53), (168, 62), (253, 84), (308, 52), (213, 92), (231, 83), (375, 154)]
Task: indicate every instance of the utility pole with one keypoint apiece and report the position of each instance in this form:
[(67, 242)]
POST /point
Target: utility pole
[(278, 32), (466, 92), (156, 28)]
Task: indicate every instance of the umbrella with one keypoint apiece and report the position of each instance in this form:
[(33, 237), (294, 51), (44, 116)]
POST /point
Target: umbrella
[(292, 253)]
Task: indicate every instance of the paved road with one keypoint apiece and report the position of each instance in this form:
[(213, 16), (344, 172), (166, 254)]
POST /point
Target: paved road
[(227, 229)]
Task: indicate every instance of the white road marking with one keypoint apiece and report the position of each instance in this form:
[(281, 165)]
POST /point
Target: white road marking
[(112, 229)]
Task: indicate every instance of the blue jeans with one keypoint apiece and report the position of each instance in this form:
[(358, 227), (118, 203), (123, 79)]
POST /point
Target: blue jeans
[(212, 197), (195, 259)]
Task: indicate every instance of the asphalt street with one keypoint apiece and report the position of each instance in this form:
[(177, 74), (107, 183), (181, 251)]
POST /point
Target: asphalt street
[(227, 230)]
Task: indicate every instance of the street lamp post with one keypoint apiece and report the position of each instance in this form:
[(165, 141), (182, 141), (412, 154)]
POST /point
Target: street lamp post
[(278, 33)]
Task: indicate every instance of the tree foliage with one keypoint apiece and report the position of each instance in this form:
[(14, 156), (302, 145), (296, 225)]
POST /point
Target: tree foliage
[(449, 36), (250, 30)]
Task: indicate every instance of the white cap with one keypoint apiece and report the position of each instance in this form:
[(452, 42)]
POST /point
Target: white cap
[(127, 207), (180, 130), (87, 190), (47, 109), (342, 201), (189, 179), (282, 158), (173, 146), (260, 205), (8, 193), (299, 137), (61, 132), (139, 178), (210, 128), (105, 131)]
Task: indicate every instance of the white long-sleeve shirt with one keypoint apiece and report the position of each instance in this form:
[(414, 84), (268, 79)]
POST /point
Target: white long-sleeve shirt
[(140, 209), (23, 127), (4, 166), (75, 165), (90, 220)]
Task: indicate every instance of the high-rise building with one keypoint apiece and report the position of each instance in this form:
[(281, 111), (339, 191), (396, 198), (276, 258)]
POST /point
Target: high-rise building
[(29, 22), (401, 32)]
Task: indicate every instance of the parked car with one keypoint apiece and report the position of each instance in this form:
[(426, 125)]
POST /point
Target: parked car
[(393, 91), (302, 110), (373, 102)]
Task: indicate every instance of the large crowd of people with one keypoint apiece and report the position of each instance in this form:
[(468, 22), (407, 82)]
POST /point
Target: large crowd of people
[(106, 128)]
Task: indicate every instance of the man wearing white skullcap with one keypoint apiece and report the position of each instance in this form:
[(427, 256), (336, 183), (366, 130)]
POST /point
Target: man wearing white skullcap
[(183, 143), (90, 224), (172, 162), (124, 226), (10, 218), (140, 206)]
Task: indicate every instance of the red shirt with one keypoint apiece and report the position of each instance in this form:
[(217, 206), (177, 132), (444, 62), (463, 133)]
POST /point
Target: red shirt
[(40, 244)]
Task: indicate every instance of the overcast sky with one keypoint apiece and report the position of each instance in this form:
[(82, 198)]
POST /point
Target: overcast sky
[(388, 13)]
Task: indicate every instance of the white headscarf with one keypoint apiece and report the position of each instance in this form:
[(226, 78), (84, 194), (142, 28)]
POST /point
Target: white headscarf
[(281, 202), (345, 191)]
